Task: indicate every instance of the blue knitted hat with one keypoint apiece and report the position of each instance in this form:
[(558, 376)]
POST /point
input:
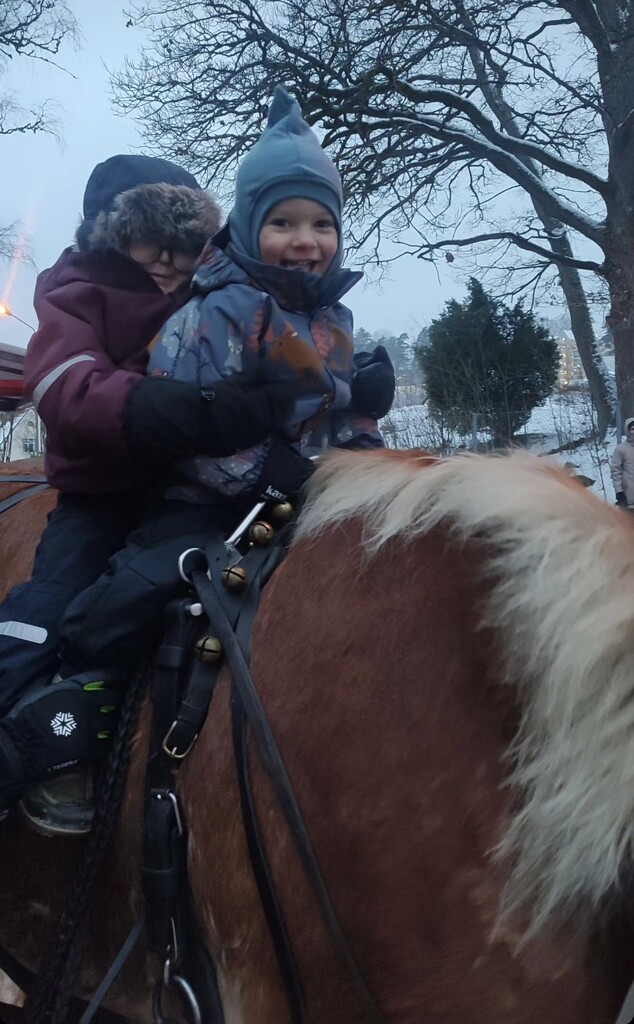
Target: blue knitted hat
[(287, 162)]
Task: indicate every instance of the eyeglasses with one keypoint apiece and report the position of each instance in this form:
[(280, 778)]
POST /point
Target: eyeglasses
[(147, 253)]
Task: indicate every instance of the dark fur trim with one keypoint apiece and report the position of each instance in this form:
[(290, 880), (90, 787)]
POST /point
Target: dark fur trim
[(174, 215)]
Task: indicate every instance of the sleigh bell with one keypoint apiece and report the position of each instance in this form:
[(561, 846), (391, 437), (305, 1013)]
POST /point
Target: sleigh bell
[(208, 649), (234, 577), (283, 511), (261, 533)]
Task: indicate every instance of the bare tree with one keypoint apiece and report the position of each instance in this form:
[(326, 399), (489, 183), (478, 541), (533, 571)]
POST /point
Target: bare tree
[(432, 108), (30, 30), (492, 88)]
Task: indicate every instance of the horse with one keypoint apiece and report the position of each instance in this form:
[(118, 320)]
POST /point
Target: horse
[(19, 533), (446, 658)]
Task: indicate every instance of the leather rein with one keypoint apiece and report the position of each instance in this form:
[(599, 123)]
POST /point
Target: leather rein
[(39, 484)]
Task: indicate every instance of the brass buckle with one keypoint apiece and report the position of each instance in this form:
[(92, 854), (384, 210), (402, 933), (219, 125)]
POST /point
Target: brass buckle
[(172, 752)]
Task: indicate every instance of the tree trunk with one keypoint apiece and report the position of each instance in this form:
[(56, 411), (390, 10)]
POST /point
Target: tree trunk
[(619, 272), (601, 388), (624, 363), (615, 64)]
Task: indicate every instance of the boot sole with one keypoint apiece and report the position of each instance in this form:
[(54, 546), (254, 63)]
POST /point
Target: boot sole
[(51, 829)]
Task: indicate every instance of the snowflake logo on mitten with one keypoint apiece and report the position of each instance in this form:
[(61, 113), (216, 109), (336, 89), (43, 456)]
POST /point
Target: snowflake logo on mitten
[(63, 723)]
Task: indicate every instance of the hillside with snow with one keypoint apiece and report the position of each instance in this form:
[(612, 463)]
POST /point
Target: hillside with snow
[(562, 427)]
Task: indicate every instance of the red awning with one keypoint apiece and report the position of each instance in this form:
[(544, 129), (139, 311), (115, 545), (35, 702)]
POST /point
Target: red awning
[(11, 388)]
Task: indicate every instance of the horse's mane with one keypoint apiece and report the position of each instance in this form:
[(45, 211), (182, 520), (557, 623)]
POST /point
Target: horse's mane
[(561, 566)]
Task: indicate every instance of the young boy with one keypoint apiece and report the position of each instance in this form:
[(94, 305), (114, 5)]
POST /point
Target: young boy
[(266, 301), (112, 432)]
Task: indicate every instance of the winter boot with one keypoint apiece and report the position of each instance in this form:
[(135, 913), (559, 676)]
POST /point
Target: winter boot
[(53, 728)]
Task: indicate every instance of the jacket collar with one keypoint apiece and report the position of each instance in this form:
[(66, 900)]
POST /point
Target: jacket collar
[(294, 290)]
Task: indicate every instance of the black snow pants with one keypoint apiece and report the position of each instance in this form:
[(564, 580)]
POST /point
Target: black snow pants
[(83, 532), (116, 622)]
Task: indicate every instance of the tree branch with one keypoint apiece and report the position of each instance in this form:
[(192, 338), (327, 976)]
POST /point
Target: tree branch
[(584, 14), (512, 145), (516, 239)]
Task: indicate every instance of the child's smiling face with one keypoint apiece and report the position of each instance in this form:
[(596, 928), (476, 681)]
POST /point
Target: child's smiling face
[(299, 234)]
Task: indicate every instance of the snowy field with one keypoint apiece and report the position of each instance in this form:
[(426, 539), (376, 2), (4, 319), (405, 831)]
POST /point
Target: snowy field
[(558, 424)]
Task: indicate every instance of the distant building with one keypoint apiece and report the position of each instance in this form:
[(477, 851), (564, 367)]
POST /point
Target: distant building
[(21, 430), (571, 372), (21, 435)]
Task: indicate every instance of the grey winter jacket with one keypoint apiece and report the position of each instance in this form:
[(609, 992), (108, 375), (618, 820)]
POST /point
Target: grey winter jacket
[(287, 323), (622, 467)]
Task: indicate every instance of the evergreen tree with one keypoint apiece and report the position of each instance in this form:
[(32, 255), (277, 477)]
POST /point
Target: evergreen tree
[(487, 358), (363, 340), (422, 340), (399, 349)]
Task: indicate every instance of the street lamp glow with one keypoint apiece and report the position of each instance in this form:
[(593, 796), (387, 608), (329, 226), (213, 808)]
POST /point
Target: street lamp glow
[(5, 311)]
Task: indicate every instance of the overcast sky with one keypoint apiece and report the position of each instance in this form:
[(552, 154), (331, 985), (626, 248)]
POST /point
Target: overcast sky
[(42, 180)]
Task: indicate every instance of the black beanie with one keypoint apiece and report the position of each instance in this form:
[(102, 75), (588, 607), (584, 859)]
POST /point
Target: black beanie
[(119, 173)]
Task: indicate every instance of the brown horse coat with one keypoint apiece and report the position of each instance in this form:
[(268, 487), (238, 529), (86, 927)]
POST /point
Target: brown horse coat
[(388, 693), (20, 529)]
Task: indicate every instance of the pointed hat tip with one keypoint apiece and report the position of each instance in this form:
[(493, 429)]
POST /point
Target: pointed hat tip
[(282, 105)]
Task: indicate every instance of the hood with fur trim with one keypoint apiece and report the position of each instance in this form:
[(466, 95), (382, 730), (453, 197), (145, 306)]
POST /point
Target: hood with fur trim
[(174, 216)]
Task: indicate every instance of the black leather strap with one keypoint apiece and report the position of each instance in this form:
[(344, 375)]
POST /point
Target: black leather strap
[(25, 978), (163, 869), (263, 874), (172, 931), (91, 1012), (246, 692)]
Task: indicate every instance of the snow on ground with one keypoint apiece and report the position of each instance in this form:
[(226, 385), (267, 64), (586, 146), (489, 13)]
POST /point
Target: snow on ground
[(564, 419)]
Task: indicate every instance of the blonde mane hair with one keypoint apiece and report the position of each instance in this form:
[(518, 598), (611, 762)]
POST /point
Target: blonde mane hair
[(561, 564)]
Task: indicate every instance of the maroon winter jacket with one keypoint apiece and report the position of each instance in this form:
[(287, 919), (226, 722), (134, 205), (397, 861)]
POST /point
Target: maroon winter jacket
[(97, 314)]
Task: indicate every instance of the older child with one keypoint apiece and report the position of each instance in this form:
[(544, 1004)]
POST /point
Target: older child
[(266, 301), (111, 431)]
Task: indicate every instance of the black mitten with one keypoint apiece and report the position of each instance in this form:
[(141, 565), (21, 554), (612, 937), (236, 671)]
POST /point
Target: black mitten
[(168, 420), (284, 473), (374, 384), (621, 500)]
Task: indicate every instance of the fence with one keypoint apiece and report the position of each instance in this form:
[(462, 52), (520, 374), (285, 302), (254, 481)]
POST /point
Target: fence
[(566, 424)]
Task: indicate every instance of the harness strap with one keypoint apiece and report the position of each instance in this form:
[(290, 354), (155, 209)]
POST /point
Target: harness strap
[(91, 1011), (23, 478), (241, 608), (24, 978), (20, 975), (178, 733), (172, 931), (15, 499), (272, 759), (173, 658), (163, 856), (276, 920), (179, 714)]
